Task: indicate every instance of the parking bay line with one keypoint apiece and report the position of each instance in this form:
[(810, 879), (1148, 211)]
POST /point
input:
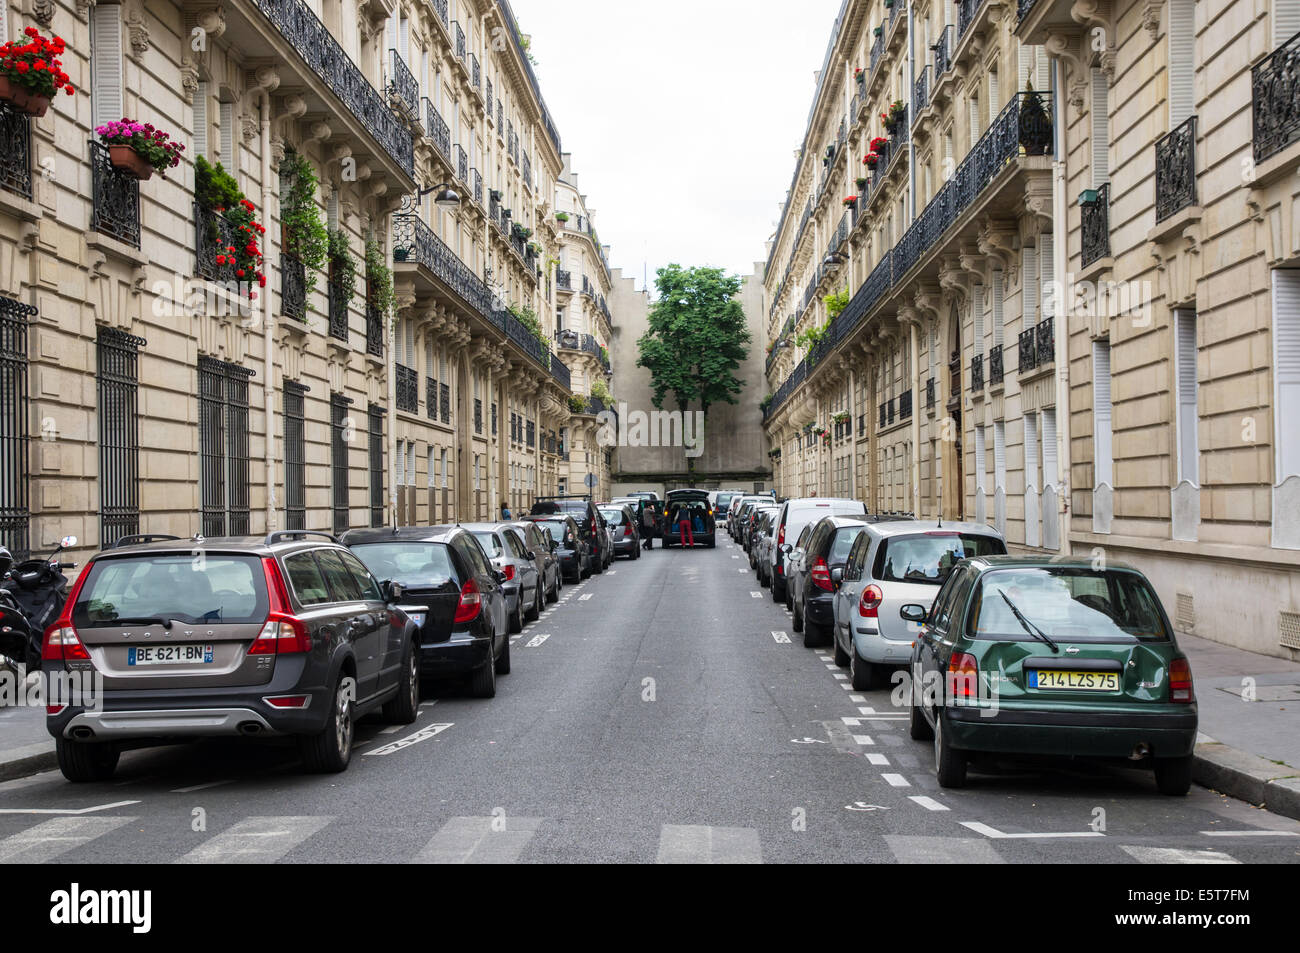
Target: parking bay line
[(1253, 833), (896, 781), (756, 595), (424, 734), (995, 834), (66, 811), (781, 637), (929, 803), (585, 597), (537, 640)]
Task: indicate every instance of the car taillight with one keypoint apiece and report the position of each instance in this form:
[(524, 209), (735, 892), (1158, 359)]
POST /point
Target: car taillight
[(963, 676), (509, 571), (627, 530), (821, 575), (288, 701), (471, 601), (62, 644), (282, 633), (1180, 681), (869, 604), (780, 538)]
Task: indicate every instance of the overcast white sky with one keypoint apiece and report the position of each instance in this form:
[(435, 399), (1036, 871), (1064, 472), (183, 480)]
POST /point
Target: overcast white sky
[(682, 117)]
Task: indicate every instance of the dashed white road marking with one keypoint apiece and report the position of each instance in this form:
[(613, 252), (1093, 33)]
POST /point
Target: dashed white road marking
[(841, 677), (756, 595), (929, 803), (1251, 833), (424, 734), (479, 840), (54, 838), (872, 713), (585, 597), (67, 812), (909, 849), (537, 640), (781, 637), (880, 759), (202, 787), (864, 739), (857, 698), (1173, 855), (700, 844), (995, 834), (256, 840), (896, 781)]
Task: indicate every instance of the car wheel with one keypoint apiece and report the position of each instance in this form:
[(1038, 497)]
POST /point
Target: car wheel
[(405, 708), (841, 656), (812, 633), (554, 594), (483, 681), (502, 664), (918, 729), (797, 621), (778, 590), (949, 764), (1173, 776), (861, 672), (517, 619), (329, 750), (82, 761), (535, 612)]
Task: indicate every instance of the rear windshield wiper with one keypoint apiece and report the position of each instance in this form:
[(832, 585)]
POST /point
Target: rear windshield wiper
[(1027, 625), (142, 620)]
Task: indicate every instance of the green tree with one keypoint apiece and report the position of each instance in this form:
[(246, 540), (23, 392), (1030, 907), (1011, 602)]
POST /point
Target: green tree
[(697, 338)]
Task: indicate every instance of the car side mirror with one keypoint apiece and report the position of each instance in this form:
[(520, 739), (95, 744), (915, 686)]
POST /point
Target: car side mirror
[(914, 613), (501, 576), (837, 575), (786, 548), (394, 591), (554, 546)]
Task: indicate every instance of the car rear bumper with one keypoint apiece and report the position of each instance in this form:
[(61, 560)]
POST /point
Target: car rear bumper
[(460, 655), (1070, 732), (874, 647), (626, 546), (820, 609)]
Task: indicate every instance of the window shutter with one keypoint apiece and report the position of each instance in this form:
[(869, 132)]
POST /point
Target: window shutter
[(106, 63), (1100, 129), (1286, 20), (228, 138), (1182, 60), (1049, 447), (433, 471), (981, 461), (1031, 450), (390, 36), (1286, 368), (404, 39), (1101, 437), (201, 119), (993, 97), (1042, 69), (977, 311), (997, 307), (1047, 272), (1025, 59), (1185, 355), (999, 455), (1029, 287), (332, 210), (4, 22), (974, 120)]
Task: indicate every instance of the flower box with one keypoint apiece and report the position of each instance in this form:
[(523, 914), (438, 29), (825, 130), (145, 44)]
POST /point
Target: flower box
[(21, 99), (31, 72), (126, 159)]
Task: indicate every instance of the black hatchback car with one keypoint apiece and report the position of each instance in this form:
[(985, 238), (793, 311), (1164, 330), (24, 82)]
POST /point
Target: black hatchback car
[(451, 592), (284, 635), (569, 547), (589, 522)]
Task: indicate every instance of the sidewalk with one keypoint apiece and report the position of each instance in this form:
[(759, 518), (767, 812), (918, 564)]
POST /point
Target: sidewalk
[(25, 746), (1250, 724)]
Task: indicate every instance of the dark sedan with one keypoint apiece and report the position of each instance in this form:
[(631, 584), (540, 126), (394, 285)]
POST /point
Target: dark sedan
[(570, 548), (625, 530)]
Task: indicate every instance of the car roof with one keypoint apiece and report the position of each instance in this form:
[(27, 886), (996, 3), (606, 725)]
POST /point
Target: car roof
[(272, 544), (427, 534), (487, 527), (912, 527), (1045, 562)]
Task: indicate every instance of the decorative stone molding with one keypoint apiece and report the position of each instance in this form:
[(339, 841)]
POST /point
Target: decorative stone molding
[(137, 33), (189, 79), (248, 127), (277, 152), (318, 133), (1151, 18), (996, 240), (212, 22), (42, 11), (1061, 46), (83, 10)]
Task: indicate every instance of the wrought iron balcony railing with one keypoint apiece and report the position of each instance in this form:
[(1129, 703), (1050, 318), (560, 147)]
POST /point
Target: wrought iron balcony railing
[(1275, 100), (1094, 227), (995, 364), (460, 162), (436, 128), (115, 209), (966, 11), (977, 372), (407, 382), (475, 72), (905, 405), (1022, 9), (1027, 350), (374, 330), (1176, 170), (213, 234), (403, 90), (526, 167), (431, 398), (323, 55), (338, 317), (1045, 335), (561, 374), (15, 151), (476, 186), (440, 6), (489, 99), (293, 287), (921, 92), (943, 50), (929, 394), (458, 37), (444, 402)]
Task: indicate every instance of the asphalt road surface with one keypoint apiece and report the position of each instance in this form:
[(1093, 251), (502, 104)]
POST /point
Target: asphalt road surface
[(662, 712)]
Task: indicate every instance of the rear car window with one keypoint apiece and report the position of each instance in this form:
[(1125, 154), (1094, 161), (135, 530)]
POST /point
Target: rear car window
[(845, 537), (1070, 604), (342, 584), (928, 558), (613, 516), (213, 588), (409, 563), (491, 545), (306, 579)]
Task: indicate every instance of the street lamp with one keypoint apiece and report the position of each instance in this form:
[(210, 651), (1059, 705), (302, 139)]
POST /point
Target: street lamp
[(447, 197)]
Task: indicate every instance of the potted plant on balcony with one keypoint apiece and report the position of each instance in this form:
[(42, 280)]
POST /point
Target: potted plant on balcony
[(577, 404), (877, 31), (561, 217), (237, 254), (860, 75), (303, 233), (379, 279), (850, 201), (138, 149), (862, 182), (31, 72), (871, 160), (878, 144), (1035, 125), (342, 266)]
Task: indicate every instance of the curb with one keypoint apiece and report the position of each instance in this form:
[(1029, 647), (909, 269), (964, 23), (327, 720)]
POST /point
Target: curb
[(1274, 787), (28, 760)]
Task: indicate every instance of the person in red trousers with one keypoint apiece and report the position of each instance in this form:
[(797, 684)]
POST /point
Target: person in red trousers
[(684, 527)]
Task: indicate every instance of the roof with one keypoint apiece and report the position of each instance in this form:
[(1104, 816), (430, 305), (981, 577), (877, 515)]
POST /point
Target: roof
[(912, 527), (1057, 562), (428, 534)]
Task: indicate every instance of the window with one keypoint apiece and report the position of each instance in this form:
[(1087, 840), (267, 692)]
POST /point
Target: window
[(1185, 354), (977, 314), (1101, 426), (1031, 452), (376, 438), (105, 64), (227, 133), (1047, 275), (201, 119), (1100, 129), (15, 512), (996, 308), (340, 433), (1286, 20), (223, 447), (1286, 371), (444, 467), (306, 578), (1049, 447), (295, 457)]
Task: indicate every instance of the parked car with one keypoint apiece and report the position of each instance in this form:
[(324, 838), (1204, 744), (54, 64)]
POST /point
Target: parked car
[(739, 507), (797, 573), (452, 592), (695, 503), (626, 528), (720, 501), (797, 513), (570, 548), (754, 529), (537, 538), (765, 545), (588, 520), (890, 565), (1035, 656), (506, 550), (817, 568), (287, 634)]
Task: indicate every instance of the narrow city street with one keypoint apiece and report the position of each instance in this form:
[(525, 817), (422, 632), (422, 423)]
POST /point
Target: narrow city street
[(663, 711)]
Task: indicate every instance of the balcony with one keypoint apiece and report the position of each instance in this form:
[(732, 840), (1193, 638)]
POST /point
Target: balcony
[(1094, 227), (403, 90), (338, 316), (1045, 337), (1027, 350), (1176, 170), (977, 373), (458, 40), (431, 398), (476, 186), (213, 234), (475, 73), (307, 38), (943, 51), (436, 128), (115, 209), (929, 394), (905, 405), (995, 365), (526, 167), (460, 162), (374, 331), (408, 389), (564, 280), (921, 92), (293, 287), (15, 151)]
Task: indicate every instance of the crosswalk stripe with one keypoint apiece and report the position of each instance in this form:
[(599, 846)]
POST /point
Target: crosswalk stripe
[(701, 844), (56, 837), (909, 849), (863, 739), (929, 803), (1173, 855), (256, 840), (880, 759), (479, 840), (896, 780)]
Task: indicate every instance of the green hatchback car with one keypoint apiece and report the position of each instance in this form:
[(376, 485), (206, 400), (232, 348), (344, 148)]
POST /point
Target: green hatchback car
[(1032, 656)]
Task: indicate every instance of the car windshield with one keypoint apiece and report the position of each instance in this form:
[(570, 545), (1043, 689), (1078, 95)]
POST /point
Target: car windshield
[(182, 588), (1067, 604), (928, 558), (613, 516), (491, 545), (410, 563)]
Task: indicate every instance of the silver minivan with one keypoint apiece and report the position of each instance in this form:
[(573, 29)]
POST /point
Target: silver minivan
[(890, 566)]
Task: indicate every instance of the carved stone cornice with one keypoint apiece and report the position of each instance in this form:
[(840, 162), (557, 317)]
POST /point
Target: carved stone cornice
[(928, 300), (1151, 18), (996, 241), (953, 278)]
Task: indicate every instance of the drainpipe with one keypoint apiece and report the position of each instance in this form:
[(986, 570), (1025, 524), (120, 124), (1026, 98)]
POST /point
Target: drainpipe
[(914, 344), (270, 253), (911, 117), (1060, 229)]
